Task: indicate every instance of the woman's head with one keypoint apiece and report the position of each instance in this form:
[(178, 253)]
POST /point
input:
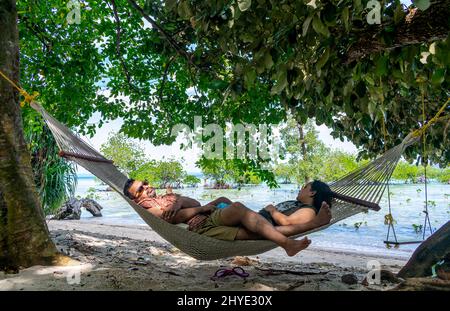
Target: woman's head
[(315, 193)]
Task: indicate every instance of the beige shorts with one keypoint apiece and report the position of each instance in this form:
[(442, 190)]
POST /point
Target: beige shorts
[(215, 229)]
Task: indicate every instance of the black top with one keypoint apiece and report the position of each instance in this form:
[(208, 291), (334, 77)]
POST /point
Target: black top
[(287, 208)]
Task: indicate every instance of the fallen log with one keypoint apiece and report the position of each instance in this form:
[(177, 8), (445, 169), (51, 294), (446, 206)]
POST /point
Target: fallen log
[(431, 251), (71, 209)]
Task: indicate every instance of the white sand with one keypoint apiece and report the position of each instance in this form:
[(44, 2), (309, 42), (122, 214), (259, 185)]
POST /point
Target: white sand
[(136, 258)]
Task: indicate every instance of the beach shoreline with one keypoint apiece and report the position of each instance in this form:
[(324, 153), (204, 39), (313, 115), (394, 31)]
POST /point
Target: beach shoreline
[(134, 257)]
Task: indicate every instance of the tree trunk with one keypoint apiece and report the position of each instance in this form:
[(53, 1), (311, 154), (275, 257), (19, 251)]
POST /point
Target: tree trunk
[(24, 236), (417, 27), (432, 250), (303, 147)]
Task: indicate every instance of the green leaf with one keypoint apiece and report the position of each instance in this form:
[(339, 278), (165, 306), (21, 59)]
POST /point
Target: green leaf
[(319, 27), (218, 84), (170, 4), (323, 59), (184, 10), (381, 66), (249, 77), (280, 85), (399, 14), (345, 15), (306, 25), (244, 5), (268, 62), (369, 80), (438, 76), (422, 4)]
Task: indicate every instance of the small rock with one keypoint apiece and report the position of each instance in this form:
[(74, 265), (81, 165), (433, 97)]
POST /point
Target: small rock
[(385, 276), (243, 261), (349, 279)]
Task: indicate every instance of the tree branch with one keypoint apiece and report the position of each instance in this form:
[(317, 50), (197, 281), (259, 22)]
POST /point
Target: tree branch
[(417, 27), (166, 70), (118, 51), (38, 33), (169, 39)]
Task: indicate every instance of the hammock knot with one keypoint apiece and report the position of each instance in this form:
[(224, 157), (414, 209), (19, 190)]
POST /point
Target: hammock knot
[(27, 97), (388, 219)]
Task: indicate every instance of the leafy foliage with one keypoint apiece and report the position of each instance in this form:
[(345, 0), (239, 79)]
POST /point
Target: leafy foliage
[(445, 176), (224, 172), (242, 61), (161, 174), (55, 178), (413, 173), (338, 163), (305, 156), (127, 155), (191, 180)]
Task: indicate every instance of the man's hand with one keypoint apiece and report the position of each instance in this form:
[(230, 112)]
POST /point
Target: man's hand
[(207, 209), (270, 208), (168, 215)]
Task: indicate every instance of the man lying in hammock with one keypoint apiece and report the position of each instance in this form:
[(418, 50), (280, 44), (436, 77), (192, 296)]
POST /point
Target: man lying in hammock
[(236, 221)]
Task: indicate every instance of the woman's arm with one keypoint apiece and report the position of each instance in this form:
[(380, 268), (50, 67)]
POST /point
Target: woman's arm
[(278, 217), (301, 216)]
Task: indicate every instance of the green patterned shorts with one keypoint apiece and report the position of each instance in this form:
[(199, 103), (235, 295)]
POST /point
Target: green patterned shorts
[(215, 229)]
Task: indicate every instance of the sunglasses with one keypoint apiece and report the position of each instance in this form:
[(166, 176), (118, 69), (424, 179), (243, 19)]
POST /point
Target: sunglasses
[(141, 189)]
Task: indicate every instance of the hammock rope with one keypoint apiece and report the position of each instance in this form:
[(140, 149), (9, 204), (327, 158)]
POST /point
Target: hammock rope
[(356, 192)]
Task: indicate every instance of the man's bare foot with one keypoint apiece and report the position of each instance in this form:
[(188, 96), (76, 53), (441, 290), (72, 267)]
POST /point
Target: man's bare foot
[(324, 215), (295, 246)]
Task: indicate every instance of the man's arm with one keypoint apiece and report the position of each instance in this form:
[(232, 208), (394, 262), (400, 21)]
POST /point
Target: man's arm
[(185, 214)]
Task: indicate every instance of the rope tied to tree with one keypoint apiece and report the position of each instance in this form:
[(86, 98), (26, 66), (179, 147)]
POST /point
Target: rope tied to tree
[(419, 132), (27, 97)]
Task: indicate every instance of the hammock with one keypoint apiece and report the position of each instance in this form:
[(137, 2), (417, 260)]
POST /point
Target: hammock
[(356, 192)]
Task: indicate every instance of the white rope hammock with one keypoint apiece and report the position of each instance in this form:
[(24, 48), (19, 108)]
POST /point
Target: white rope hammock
[(354, 193)]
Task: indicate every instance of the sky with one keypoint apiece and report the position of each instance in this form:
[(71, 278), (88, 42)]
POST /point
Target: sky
[(190, 156)]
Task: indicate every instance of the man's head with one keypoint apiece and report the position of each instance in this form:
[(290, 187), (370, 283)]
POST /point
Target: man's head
[(137, 190), (315, 193)]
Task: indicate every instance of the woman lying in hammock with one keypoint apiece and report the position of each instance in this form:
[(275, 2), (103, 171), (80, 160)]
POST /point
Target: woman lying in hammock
[(236, 221)]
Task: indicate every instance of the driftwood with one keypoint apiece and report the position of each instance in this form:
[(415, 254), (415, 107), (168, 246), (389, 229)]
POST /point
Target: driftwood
[(302, 273), (432, 250), (71, 209), (423, 284)]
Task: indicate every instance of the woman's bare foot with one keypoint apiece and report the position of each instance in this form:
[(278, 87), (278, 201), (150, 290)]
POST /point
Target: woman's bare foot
[(324, 215), (295, 246)]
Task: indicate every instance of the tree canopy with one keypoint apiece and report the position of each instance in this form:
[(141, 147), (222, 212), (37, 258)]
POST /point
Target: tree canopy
[(162, 174), (242, 61), (126, 154)]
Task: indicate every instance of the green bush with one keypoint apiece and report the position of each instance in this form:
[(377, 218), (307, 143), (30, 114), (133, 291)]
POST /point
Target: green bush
[(55, 177), (161, 174), (444, 176)]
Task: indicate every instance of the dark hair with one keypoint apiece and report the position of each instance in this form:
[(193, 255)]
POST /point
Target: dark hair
[(323, 193), (126, 188)]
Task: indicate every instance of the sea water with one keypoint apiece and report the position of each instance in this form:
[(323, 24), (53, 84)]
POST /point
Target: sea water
[(364, 232)]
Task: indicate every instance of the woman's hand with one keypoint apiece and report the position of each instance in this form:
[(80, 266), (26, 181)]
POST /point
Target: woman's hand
[(270, 208)]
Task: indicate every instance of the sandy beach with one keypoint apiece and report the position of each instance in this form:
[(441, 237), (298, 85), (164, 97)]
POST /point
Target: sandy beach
[(117, 257)]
